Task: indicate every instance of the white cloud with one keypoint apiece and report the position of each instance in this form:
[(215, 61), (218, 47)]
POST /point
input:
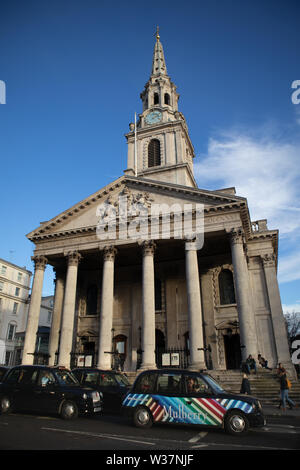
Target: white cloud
[(265, 170), (290, 308), (289, 267)]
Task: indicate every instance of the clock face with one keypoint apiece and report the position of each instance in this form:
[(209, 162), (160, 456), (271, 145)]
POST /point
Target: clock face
[(153, 117)]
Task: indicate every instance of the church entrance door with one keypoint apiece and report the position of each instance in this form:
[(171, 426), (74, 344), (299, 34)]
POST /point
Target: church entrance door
[(232, 351)]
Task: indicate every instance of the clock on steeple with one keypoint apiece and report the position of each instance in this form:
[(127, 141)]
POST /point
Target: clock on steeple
[(162, 129)]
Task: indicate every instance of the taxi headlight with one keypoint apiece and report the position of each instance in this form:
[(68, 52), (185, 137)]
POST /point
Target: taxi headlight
[(256, 405), (95, 396)]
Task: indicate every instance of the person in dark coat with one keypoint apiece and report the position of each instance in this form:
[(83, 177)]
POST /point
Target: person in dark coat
[(245, 386), (284, 392)]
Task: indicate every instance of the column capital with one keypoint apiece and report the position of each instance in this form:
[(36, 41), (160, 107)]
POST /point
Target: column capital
[(236, 235), (73, 258), (39, 262), (148, 247), (109, 253), (268, 259)]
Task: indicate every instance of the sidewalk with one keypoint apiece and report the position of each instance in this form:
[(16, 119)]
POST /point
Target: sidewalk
[(272, 410)]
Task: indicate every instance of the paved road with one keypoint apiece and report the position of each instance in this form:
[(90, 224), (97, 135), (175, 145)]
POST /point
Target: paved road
[(114, 433)]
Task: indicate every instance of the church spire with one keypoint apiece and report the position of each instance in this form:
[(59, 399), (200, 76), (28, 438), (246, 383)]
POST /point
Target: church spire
[(158, 62)]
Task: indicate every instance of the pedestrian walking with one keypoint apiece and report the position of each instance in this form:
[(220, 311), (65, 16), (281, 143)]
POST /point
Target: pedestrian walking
[(245, 386), (284, 392)]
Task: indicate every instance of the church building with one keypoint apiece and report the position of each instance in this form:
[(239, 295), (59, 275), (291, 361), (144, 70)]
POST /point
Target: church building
[(130, 280)]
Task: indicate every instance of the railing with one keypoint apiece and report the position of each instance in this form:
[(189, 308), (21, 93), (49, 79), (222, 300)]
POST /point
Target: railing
[(172, 357)]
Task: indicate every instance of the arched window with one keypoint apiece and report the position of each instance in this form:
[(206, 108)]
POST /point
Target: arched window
[(226, 287), (156, 98), (167, 98), (91, 300), (154, 153)]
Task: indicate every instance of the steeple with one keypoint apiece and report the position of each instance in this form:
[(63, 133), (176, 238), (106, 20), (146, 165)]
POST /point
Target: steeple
[(158, 62), (160, 147)]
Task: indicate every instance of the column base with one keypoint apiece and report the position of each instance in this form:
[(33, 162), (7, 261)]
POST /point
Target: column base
[(146, 367), (197, 366)]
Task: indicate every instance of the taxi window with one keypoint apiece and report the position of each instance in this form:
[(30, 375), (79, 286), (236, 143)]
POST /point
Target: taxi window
[(194, 384), (168, 383), (46, 378), (22, 376), (90, 378), (13, 376), (145, 383), (107, 380)]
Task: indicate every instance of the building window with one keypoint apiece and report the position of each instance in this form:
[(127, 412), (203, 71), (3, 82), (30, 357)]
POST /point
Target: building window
[(17, 292), (3, 270), (15, 308), (11, 331), (91, 300), (1, 286), (226, 287), (156, 98), (8, 355), (154, 153), (19, 277), (167, 98)]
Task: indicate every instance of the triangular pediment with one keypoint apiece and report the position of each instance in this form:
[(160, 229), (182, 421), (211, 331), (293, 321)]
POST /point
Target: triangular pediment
[(139, 192)]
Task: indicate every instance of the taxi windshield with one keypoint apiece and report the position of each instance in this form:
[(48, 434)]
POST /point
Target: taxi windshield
[(66, 378), (122, 380), (214, 385)]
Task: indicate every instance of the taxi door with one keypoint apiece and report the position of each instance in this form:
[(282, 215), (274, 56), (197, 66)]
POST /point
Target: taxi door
[(201, 407)]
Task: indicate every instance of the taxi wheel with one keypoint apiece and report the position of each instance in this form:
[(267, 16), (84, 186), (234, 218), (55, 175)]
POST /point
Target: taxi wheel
[(5, 405), (69, 410), (236, 423), (142, 417)]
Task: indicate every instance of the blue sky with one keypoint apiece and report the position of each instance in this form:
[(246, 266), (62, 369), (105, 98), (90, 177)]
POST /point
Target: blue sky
[(74, 71)]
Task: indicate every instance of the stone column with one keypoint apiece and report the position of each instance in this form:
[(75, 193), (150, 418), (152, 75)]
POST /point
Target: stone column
[(197, 359), (148, 306), (279, 326), (56, 317), (34, 310), (243, 295), (106, 315), (67, 325)]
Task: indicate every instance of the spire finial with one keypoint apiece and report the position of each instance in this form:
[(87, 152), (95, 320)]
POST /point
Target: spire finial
[(157, 33)]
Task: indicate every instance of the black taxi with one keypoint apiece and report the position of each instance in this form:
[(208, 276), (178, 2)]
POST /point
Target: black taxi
[(186, 397), (112, 384), (46, 389)]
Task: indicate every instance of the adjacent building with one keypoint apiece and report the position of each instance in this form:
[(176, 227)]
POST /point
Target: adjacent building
[(130, 278), (14, 292), (42, 333)]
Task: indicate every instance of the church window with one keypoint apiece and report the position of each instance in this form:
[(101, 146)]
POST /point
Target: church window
[(158, 295), (154, 153), (91, 300), (226, 287), (156, 98), (167, 98)]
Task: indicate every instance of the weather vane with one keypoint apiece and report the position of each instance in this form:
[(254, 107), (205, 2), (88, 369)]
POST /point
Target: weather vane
[(157, 33)]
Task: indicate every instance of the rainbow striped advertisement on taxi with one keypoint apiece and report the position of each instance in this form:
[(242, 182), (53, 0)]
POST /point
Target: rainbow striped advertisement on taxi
[(208, 411)]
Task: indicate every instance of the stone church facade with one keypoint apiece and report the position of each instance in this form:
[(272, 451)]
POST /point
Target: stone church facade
[(121, 287)]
